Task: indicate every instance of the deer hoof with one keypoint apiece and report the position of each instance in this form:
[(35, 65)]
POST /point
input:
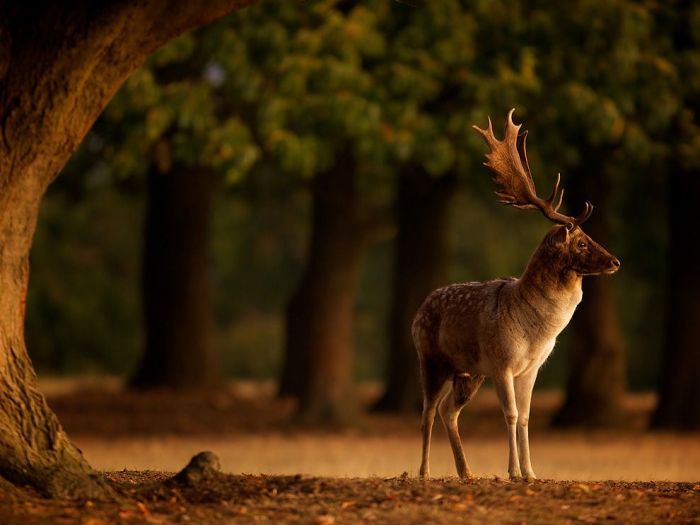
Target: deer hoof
[(463, 470)]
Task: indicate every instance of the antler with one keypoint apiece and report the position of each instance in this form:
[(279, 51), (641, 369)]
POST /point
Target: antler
[(508, 160)]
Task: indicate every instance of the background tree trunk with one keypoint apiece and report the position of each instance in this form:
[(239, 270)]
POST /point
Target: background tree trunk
[(318, 366), (60, 63), (419, 267), (597, 379), (679, 385), (176, 289)]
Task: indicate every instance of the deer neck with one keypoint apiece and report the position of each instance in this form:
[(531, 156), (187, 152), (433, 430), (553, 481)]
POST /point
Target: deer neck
[(548, 286)]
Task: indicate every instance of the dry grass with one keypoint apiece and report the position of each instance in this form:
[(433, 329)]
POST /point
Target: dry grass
[(366, 474), (251, 433), (561, 457)]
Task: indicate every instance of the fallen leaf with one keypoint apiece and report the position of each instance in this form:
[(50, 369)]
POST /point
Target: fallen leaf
[(92, 521)]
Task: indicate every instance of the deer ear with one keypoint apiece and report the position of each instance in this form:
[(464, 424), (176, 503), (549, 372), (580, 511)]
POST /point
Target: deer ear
[(561, 235)]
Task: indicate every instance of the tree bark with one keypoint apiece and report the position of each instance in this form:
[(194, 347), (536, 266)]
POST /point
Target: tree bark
[(59, 65), (679, 385), (419, 268), (34, 450), (176, 289), (597, 375), (318, 366)]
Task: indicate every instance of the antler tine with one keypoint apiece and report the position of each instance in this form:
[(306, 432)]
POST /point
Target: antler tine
[(585, 215), (509, 122), (561, 199), (487, 133), (507, 158), (553, 196)]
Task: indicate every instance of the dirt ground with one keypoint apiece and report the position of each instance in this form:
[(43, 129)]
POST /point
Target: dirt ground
[(299, 499), (276, 471)]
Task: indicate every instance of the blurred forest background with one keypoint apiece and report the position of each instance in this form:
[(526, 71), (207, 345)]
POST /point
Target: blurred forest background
[(273, 196)]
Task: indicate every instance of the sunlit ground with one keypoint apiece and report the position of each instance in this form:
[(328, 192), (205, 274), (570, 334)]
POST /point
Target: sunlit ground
[(389, 449), (555, 457)]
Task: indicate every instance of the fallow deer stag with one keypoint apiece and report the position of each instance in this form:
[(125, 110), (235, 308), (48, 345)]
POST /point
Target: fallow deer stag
[(505, 328)]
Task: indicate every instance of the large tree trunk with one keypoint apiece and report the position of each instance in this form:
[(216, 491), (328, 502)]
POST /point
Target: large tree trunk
[(419, 268), (34, 450), (176, 289), (679, 387), (60, 63), (597, 374), (318, 366)]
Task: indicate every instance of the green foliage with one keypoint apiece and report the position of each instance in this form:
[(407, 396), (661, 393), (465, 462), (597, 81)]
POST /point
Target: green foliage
[(174, 101), (83, 304), (312, 98)]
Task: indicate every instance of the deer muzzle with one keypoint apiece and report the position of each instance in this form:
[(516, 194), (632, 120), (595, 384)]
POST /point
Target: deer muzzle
[(614, 265)]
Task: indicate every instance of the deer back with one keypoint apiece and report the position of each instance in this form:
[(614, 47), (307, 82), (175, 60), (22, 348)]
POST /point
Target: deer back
[(457, 323)]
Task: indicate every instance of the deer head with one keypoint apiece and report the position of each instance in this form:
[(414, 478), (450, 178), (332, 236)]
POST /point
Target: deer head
[(567, 243)]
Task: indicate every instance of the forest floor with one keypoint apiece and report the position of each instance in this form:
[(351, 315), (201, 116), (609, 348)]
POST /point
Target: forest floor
[(402, 500), (276, 471)]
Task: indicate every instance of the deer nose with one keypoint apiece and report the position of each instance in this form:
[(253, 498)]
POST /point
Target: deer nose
[(616, 262)]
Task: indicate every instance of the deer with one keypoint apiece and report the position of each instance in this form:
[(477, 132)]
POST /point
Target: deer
[(504, 328)]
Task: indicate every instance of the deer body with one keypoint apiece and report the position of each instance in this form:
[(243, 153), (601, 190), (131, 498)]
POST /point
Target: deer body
[(505, 328), (480, 327)]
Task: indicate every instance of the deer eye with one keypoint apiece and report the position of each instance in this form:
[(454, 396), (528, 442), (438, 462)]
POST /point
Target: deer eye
[(581, 244)]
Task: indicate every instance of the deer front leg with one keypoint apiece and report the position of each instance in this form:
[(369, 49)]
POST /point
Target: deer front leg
[(506, 394), (523, 394)]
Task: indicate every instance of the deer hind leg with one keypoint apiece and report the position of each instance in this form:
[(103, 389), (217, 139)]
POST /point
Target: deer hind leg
[(464, 386), (434, 379)]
